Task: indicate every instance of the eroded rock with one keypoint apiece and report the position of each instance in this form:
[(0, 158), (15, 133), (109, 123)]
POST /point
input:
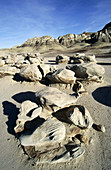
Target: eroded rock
[(87, 71), (63, 76), (28, 111), (8, 70), (50, 132), (55, 98), (31, 72)]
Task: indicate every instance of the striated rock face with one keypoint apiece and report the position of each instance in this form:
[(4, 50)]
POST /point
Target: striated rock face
[(49, 133)]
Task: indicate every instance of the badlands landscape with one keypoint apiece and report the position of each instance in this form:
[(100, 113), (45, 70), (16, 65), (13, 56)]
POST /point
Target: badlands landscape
[(56, 103)]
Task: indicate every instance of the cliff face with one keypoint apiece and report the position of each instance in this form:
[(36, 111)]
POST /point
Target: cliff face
[(70, 40)]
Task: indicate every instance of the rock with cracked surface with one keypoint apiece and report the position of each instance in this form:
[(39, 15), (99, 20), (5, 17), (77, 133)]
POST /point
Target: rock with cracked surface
[(54, 98), (63, 76)]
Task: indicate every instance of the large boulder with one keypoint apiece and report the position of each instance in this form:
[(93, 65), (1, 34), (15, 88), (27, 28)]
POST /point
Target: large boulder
[(62, 76), (91, 71), (31, 72), (54, 99), (49, 133), (75, 114)]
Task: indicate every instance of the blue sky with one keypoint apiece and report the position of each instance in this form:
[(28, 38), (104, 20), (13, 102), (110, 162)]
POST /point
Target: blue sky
[(23, 19)]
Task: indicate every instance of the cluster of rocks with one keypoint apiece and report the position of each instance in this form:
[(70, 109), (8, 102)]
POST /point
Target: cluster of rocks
[(51, 128), (11, 64)]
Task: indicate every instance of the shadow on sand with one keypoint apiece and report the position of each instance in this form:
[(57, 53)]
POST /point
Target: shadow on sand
[(23, 96), (11, 111), (103, 95), (103, 63)]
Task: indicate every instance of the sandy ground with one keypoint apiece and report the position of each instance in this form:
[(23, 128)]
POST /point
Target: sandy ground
[(98, 101)]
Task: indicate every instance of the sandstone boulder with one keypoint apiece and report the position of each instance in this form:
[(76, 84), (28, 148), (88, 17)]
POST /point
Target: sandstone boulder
[(46, 68), (49, 133), (54, 98), (63, 76), (31, 72), (88, 71), (75, 114), (79, 116), (8, 70)]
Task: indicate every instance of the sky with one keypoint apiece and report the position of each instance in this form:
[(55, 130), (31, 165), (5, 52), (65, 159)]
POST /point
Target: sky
[(24, 19)]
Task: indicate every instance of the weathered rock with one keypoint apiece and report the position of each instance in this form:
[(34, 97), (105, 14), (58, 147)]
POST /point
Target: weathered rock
[(10, 60), (63, 76), (54, 98), (28, 111), (57, 155), (33, 55), (79, 116), (22, 63), (80, 55), (46, 68), (78, 87), (50, 132), (31, 72), (75, 114), (62, 58), (34, 60), (8, 70), (2, 62), (88, 71), (72, 131)]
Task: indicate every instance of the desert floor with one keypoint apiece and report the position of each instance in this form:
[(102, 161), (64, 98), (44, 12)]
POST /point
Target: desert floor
[(97, 155)]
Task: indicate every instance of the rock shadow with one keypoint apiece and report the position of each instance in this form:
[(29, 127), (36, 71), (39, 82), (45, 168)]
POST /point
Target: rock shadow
[(23, 96), (103, 95), (19, 78), (100, 63), (11, 111)]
